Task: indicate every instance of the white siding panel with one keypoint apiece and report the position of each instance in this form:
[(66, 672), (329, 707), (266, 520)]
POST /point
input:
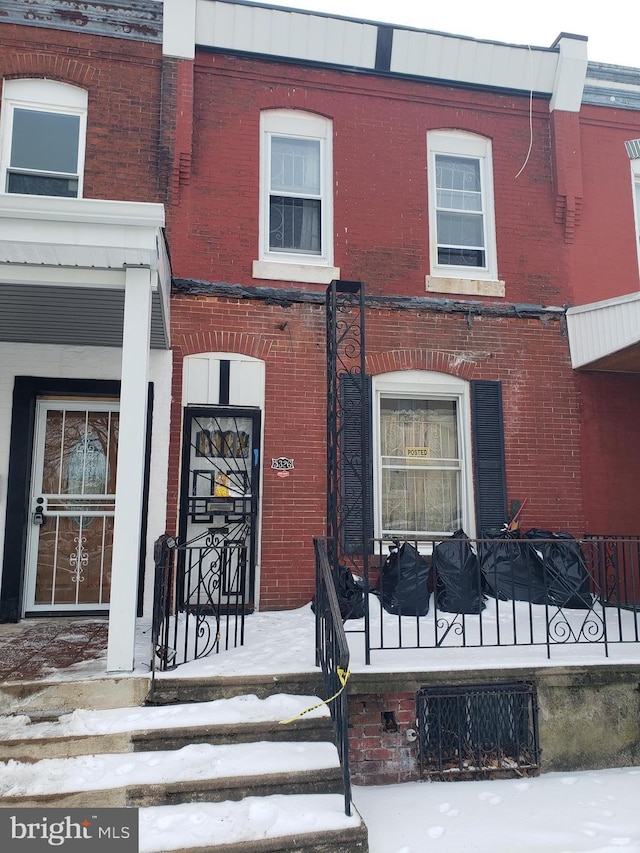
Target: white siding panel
[(603, 328), (201, 384), (276, 32), (445, 57)]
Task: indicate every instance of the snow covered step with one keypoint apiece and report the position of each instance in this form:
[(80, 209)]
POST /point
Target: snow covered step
[(293, 822), (196, 773), (240, 719), (169, 689)]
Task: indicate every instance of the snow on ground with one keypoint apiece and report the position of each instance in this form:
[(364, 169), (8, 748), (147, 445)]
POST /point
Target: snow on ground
[(589, 812)]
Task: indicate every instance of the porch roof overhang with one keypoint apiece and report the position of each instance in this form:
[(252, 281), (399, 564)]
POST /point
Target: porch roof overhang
[(606, 335), (63, 266)]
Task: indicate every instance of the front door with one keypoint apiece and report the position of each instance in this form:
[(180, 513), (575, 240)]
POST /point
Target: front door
[(219, 507), (72, 505)]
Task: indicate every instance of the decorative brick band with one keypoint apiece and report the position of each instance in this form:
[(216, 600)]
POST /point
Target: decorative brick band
[(38, 64), (464, 365)]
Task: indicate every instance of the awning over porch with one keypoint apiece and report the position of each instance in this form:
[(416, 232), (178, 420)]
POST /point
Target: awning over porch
[(606, 335), (63, 267)]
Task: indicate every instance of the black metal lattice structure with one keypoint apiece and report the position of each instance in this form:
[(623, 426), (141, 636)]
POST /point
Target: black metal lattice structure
[(349, 468), (478, 731)]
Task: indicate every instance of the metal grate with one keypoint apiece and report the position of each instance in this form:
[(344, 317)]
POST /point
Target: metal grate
[(478, 731)]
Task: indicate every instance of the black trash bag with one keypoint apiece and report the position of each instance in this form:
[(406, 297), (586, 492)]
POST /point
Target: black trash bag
[(457, 575), (565, 568), (403, 586), (350, 594), (510, 568)]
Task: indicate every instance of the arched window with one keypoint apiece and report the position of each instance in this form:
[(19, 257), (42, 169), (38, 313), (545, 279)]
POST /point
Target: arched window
[(43, 133)]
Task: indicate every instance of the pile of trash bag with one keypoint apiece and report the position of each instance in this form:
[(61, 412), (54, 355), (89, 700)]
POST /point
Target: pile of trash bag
[(517, 567), (403, 585)]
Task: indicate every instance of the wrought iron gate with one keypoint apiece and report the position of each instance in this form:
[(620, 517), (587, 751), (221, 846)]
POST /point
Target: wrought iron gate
[(205, 580)]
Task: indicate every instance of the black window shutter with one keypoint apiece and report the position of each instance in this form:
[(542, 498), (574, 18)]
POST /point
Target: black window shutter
[(488, 454), (356, 465)]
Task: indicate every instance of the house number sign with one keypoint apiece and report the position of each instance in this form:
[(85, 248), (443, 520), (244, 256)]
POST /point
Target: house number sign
[(282, 463)]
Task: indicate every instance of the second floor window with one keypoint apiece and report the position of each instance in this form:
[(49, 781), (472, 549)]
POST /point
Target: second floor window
[(43, 131), (296, 206), (462, 232)]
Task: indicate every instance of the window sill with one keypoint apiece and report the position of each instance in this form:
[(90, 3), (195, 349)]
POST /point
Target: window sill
[(307, 273), (464, 286)]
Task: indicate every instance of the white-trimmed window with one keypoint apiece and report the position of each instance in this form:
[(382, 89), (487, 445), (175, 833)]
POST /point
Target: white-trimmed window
[(43, 131), (422, 439), (634, 154), (296, 197), (461, 208)]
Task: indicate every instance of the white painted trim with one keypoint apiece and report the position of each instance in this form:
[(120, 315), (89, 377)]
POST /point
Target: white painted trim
[(466, 287), (603, 328), (307, 273), (427, 384), (179, 28), (463, 144), (297, 124), (45, 96), (130, 476), (571, 74)]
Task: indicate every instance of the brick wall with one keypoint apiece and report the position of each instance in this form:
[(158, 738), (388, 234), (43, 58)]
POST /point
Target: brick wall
[(529, 357), (123, 79), (379, 751), (380, 198)]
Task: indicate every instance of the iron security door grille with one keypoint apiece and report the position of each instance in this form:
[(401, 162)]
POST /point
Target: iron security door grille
[(478, 731), (217, 552)]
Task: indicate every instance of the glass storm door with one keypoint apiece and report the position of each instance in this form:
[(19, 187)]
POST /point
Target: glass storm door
[(72, 504), (219, 504)]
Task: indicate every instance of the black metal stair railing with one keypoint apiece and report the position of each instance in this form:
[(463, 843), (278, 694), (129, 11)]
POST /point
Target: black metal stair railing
[(332, 655)]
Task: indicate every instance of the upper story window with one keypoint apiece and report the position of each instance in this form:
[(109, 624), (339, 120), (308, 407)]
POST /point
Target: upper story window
[(43, 131), (296, 197), (633, 150), (461, 212)]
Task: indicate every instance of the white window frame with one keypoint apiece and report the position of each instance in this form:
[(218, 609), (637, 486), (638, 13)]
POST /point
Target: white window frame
[(426, 385), (635, 186), (47, 96), (467, 145), (291, 265)]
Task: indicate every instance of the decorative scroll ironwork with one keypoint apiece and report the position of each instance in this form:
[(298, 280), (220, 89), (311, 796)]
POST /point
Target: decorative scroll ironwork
[(348, 452), (199, 600)]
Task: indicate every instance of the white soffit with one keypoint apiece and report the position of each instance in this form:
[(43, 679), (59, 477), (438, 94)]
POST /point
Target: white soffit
[(93, 234), (601, 329)]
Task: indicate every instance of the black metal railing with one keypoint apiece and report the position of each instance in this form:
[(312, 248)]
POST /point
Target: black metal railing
[(332, 655), (199, 598), (503, 591)]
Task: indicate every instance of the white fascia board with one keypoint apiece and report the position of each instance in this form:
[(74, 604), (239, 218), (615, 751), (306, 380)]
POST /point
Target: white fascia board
[(571, 74), (104, 211), (179, 28), (602, 328)]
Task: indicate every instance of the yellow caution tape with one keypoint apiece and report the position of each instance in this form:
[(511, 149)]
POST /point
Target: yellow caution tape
[(343, 675)]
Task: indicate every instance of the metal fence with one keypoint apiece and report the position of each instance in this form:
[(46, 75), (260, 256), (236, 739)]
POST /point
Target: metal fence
[(502, 591), (332, 655), (199, 598)]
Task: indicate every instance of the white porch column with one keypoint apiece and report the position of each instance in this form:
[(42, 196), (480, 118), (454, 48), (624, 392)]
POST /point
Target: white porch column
[(130, 477)]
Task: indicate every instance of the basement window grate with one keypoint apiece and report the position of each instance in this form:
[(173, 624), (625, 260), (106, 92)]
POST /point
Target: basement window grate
[(478, 731)]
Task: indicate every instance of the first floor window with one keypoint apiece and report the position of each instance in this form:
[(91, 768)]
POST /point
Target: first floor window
[(43, 128), (422, 477), (420, 466)]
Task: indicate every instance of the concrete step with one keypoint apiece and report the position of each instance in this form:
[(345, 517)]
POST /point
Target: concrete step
[(196, 773), (256, 825), (166, 690), (241, 719)]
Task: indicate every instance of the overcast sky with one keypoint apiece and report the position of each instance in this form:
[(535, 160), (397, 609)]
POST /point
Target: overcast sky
[(612, 26)]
